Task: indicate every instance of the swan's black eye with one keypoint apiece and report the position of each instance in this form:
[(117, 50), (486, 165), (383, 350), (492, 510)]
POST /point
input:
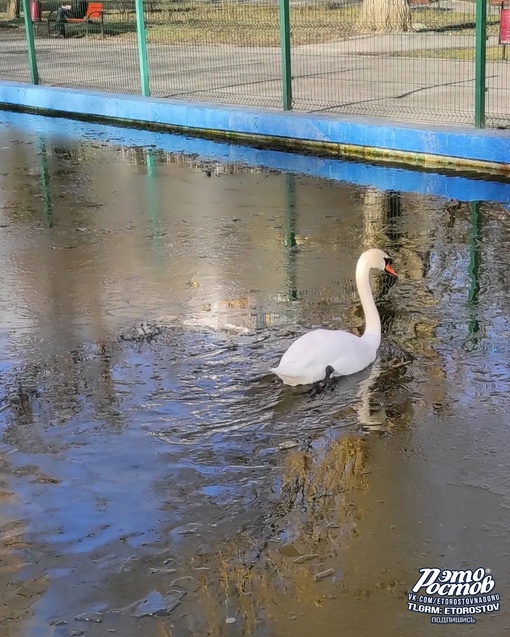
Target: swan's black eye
[(388, 260)]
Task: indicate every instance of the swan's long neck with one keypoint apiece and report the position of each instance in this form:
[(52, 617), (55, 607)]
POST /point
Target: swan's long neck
[(372, 331)]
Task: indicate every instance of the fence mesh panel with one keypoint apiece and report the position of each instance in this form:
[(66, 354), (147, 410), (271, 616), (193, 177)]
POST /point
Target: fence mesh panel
[(94, 56), (424, 74), (228, 51), (13, 45), (215, 50), (497, 69)]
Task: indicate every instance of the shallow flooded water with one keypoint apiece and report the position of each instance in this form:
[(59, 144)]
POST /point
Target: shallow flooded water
[(157, 481)]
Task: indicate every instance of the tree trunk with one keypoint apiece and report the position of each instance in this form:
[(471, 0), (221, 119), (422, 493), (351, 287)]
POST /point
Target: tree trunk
[(13, 9), (385, 16)]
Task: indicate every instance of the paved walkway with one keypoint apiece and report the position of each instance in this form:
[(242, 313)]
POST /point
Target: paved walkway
[(365, 75)]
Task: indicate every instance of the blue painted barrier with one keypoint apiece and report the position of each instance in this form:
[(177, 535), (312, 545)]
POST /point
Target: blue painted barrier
[(459, 146), (456, 187)]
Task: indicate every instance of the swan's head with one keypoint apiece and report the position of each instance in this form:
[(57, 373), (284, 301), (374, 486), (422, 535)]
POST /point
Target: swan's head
[(375, 259)]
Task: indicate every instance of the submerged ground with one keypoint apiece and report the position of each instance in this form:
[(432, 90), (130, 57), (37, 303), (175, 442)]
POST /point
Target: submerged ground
[(156, 481)]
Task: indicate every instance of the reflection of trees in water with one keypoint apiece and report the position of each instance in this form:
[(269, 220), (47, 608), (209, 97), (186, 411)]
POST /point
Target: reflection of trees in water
[(407, 227), (250, 576), (493, 244), (16, 590), (472, 278), (19, 397), (40, 396), (472, 272)]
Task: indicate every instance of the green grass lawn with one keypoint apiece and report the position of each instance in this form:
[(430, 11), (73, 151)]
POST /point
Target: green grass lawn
[(243, 24), (252, 25)]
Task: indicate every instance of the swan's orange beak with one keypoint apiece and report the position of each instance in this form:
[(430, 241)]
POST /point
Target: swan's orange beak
[(389, 269)]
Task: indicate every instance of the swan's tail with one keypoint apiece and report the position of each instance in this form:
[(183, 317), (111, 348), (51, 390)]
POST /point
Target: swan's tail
[(289, 377), (281, 374)]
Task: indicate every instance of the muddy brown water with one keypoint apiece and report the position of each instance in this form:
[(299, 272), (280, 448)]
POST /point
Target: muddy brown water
[(156, 481)]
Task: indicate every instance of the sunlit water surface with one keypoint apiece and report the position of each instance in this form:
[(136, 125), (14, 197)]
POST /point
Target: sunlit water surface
[(157, 481)]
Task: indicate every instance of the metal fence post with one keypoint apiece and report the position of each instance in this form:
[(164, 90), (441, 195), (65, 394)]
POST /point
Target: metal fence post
[(286, 55), (142, 47), (480, 62), (29, 31)]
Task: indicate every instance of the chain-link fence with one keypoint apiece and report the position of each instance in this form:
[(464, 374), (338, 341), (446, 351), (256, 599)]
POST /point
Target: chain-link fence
[(360, 57)]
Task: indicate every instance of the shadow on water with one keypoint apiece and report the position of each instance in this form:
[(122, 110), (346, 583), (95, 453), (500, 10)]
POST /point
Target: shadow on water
[(157, 480)]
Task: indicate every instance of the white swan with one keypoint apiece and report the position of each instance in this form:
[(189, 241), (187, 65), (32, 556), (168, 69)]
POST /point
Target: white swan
[(321, 354)]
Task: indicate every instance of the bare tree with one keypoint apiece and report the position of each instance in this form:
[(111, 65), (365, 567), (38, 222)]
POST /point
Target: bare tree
[(13, 9), (385, 16)]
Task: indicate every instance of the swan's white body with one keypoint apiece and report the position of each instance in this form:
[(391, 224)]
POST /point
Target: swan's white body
[(306, 360)]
